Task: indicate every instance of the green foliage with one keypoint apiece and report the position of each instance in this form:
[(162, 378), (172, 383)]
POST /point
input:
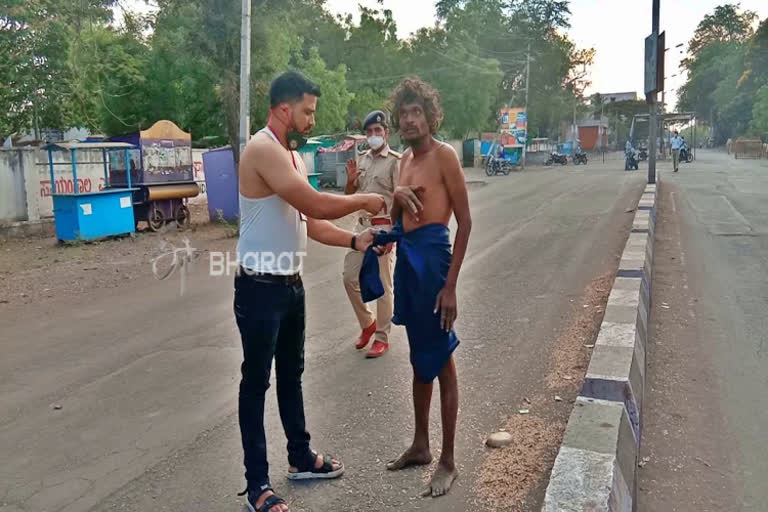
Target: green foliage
[(334, 102), (725, 24), (727, 68), (760, 111), (70, 65)]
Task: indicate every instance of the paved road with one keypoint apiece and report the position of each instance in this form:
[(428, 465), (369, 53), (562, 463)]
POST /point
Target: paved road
[(147, 381), (707, 409)]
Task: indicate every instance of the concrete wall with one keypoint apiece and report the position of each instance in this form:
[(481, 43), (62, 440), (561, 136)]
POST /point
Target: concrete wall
[(13, 197), (90, 175), (25, 180)]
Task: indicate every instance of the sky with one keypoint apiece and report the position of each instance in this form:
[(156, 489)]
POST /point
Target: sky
[(615, 28)]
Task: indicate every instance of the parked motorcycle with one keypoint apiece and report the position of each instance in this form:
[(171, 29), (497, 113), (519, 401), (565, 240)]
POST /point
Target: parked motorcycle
[(556, 158), (579, 157)]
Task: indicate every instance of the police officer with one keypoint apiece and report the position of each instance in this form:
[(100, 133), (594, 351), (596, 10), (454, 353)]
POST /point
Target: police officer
[(377, 172)]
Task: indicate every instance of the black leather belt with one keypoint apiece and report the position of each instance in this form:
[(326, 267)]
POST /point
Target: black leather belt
[(269, 278)]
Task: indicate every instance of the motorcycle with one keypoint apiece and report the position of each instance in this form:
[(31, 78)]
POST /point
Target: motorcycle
[(630, 160), (686, 155), (556, 158), (579, 157), (495, 165)]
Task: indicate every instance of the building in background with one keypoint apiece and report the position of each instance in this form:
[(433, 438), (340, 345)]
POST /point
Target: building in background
[(590, 132), (615, 97)]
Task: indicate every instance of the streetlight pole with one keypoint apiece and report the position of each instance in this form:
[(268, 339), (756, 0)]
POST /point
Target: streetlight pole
[(600, 129), (652, 100), (245, 74), (527, 81)]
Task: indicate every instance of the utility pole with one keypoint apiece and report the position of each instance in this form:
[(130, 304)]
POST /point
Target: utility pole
[(652, 122), (245, 75), (527, 80), (574, 130), (37, 122), (600, 128)]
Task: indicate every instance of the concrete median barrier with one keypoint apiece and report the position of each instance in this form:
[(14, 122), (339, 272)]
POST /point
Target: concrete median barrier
[(596, 466)]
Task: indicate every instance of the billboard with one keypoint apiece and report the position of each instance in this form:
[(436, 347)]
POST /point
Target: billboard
[(514, 124)]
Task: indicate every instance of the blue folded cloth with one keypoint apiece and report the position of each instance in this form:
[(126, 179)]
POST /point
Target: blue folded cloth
[(423, 260)]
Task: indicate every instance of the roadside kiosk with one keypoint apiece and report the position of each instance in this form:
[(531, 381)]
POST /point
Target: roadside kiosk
[(84, 215)]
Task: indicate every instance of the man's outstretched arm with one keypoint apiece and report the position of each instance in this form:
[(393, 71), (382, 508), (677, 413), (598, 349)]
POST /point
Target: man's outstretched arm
[(328, 233), (276, 169)]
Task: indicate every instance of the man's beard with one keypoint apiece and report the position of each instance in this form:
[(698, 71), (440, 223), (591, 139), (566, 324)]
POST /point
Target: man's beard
[(416, 140)]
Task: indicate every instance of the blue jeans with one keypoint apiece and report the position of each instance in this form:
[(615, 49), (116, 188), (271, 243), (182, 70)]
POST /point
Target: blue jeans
[(270, 316)]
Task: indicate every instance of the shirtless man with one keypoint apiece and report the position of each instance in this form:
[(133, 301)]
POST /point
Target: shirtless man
[(278, 209), (431, 188)]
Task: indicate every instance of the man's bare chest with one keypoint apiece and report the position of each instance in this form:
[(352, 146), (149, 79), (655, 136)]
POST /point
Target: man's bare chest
[(421, 174)]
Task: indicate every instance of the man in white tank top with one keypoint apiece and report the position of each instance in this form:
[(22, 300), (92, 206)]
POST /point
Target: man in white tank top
[(278, 209)]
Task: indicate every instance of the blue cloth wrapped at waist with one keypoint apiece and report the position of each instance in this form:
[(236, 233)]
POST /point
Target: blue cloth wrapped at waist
[(423, 260)]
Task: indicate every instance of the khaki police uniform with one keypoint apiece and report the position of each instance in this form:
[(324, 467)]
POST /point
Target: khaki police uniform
[(378, 175)]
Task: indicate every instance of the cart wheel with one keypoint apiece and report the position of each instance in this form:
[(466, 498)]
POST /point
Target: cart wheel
[(155, 219), (182, 216)]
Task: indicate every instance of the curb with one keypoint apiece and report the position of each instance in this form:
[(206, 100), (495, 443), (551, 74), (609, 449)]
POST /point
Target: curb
[(595, 468)]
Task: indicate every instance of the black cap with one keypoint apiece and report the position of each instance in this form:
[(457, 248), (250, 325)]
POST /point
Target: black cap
[(377, 116)]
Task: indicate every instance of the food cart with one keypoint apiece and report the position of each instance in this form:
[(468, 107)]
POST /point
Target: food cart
[(82, 215), (161, 173)]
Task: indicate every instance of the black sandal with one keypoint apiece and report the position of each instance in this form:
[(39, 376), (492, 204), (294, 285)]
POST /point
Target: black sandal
[(268, 503), (325, 471)]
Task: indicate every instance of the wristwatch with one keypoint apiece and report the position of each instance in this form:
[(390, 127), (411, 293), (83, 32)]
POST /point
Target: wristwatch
[(352, 244)]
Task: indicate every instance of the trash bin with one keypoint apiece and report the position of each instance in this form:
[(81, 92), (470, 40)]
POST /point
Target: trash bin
[(221, 185)]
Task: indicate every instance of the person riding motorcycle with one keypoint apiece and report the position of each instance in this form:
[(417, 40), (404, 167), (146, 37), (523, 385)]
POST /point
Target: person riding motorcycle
[(630, 157)]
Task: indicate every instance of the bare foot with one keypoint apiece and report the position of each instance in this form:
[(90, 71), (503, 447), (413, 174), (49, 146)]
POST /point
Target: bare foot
[(441, 481), (410, 457)]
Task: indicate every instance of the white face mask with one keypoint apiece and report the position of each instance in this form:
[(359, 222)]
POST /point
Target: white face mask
[(376, 142)]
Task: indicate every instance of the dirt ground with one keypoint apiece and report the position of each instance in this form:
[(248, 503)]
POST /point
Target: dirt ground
[(35, 269)]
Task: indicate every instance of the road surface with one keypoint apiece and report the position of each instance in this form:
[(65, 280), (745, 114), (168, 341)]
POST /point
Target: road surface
[(706, 413), (147, 381)]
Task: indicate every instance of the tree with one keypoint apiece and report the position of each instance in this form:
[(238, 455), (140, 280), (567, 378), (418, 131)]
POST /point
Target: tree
[(725, 24), (760, 111), (33, 69), (504, 30), (467, 82), (725, 70), (65, 66), (374, 59), (107, 80), (333, 104), (179, 86)]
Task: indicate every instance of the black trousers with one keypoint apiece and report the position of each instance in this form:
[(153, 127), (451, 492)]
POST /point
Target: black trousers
[(270, 315)]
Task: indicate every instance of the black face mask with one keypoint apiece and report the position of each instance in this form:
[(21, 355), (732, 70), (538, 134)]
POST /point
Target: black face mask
[(295, 140)]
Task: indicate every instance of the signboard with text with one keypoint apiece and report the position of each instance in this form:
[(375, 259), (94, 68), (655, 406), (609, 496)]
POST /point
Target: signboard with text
[(514, 124)]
